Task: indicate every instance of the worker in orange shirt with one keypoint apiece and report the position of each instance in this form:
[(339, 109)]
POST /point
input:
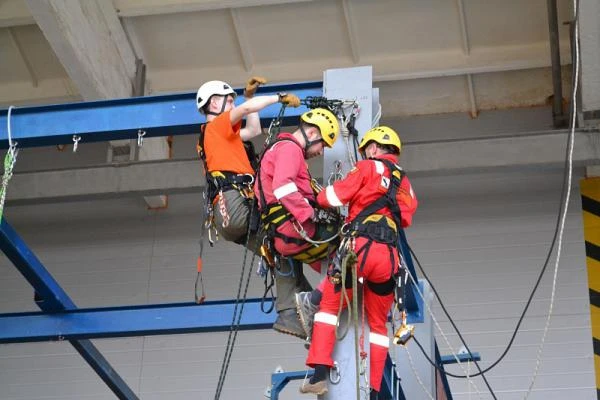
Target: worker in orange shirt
[(229, 171)]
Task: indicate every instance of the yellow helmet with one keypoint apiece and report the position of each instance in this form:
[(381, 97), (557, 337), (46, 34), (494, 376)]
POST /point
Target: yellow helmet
[(326, 122), (383, 135)]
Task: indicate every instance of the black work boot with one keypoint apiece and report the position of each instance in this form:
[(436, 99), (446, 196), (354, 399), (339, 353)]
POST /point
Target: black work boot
[(374, 394), (288, 322)]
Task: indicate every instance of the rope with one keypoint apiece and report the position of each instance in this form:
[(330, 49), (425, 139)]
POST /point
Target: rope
[(453, 352), (300, 230), (199, 296), (416, 374), (567, 197), (350, 257), (235, 323), (9, 163), (357, 348)]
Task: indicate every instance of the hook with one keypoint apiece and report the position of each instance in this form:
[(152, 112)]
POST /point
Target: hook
[(140, 138), (76, 139), (334, 374)]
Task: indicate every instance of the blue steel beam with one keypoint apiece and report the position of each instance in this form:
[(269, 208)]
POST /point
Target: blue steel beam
[(159, 319), (53, 299), (162, 115)]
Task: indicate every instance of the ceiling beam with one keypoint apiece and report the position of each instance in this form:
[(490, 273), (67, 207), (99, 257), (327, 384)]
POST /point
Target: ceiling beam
[(351, 31), (90, 43), (439, 158), (19, 48), (92, 46), (136, 8), (244, 45), (15, 13)]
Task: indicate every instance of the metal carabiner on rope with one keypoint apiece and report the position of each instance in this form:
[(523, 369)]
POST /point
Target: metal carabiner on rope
[(275, 126), (336, 172)]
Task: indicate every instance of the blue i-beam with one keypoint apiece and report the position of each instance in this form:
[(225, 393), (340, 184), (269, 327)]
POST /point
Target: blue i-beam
[(162, 115), (53, 299)]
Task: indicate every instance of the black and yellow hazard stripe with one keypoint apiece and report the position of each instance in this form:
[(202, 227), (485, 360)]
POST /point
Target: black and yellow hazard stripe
[(590, 204)]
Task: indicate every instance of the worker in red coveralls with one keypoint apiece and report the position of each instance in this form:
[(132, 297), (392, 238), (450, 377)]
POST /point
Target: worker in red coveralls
[(381, 201), (286, 200)]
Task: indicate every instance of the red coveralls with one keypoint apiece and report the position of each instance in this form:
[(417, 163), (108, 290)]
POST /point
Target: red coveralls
[(285, 178), (361, 187)]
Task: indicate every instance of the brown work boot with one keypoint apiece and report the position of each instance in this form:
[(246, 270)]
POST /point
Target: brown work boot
[(319, 388), (288, 322)]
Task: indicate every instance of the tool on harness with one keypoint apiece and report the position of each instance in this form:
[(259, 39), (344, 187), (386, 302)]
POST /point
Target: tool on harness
[(405, 332), (199, 291), (266, 269)]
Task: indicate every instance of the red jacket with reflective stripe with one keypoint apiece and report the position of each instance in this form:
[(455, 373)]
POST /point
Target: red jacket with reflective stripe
[(364, 184), (285, 178)]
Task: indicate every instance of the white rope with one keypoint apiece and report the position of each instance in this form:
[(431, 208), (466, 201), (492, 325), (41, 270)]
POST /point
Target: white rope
[(9, 162), (416, 374), (454, 353), (567, 199), (377, 117)]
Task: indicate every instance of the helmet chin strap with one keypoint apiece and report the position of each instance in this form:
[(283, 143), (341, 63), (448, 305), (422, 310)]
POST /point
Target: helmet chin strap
[(222, 105), (307, 142)]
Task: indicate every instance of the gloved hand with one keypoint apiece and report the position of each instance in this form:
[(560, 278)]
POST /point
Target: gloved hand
[(289, 99), (253, 84)]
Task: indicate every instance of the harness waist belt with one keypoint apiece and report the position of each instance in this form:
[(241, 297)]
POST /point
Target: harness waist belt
[(382, 288), (223, 177), (376, 227)]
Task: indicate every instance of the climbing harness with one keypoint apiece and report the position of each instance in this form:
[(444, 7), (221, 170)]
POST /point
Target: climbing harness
[(275, 214), (9, 162)]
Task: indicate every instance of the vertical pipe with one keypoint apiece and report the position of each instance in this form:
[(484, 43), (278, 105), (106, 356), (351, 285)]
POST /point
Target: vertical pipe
[(557, 112)]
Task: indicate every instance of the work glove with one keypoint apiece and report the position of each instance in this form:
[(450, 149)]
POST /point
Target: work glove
[(289, 99), (253, 84)]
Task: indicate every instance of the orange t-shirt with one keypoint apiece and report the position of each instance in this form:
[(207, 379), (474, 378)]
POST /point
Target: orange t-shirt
[(224, 148)]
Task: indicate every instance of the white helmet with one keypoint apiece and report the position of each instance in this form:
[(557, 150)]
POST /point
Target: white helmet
[(211, 88)]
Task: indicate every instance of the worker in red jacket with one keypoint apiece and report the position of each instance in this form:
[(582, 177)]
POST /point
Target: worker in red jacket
[(381, 201), (286, 201)]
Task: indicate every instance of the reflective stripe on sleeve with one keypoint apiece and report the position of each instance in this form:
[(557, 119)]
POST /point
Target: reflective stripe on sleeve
[(325, 318), (379, 340), (379, 167), (332, 197), (284, 190)]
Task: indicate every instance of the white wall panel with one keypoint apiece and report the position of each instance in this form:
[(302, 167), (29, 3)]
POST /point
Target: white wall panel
[(482, 251)]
